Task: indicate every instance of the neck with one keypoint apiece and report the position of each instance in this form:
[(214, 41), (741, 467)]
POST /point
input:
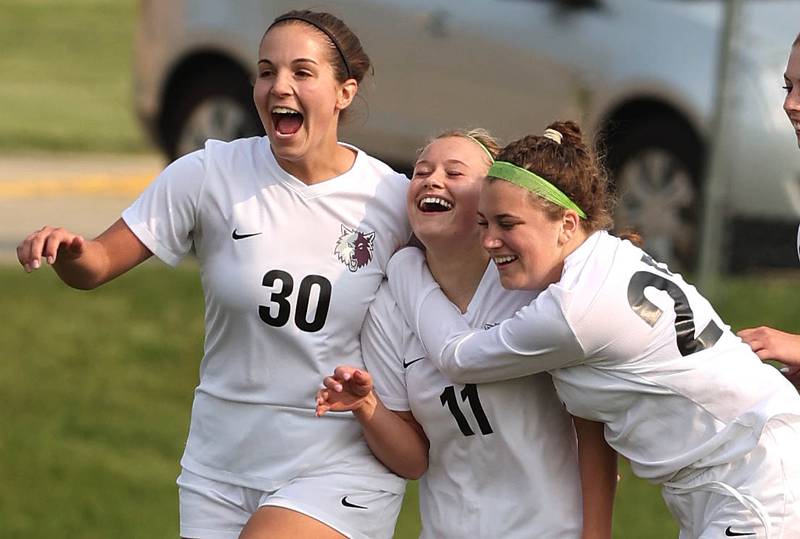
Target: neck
[(322, 163), (458, 270)]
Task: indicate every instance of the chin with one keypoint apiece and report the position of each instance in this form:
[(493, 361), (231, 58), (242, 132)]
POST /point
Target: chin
[(509, 283)]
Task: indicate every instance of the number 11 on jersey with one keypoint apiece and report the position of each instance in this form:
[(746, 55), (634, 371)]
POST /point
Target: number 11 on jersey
[(468, 394)]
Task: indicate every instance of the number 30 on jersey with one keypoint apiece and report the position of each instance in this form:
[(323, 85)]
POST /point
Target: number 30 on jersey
[(307, 317)]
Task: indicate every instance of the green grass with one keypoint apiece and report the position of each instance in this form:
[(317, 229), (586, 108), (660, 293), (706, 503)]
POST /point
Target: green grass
[(96, 389), (66, 73)]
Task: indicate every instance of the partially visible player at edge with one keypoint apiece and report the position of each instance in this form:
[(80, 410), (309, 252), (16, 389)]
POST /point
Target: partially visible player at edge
[(292, 232), (627, 342), (770, 343), (507, 449)]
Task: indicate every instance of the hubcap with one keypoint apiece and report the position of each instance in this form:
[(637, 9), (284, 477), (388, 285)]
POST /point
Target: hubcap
[(657, 199), (217, 117)]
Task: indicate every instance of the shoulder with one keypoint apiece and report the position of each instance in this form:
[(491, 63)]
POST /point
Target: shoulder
[(218, 149), (385, 314), (376, 170)]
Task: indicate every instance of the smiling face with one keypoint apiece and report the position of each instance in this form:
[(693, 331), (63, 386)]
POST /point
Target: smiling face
[(443, 194), (525, 243), (791, 105), (296, 93)]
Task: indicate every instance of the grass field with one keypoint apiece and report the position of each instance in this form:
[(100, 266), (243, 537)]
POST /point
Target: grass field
[(66, 76), (96, 389)]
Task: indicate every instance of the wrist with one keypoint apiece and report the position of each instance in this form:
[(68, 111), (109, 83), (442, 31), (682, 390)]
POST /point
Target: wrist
[(366, 410)]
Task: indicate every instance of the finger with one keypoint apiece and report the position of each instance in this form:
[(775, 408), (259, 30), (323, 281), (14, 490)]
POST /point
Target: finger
[(332, 384), (37, 245), (343, 372), (24, 252), (77, 245), (51, 245), (322, 409), (763, 354), (362, 378)]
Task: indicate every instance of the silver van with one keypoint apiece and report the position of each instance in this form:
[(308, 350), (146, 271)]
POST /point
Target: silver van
[(641, 74)]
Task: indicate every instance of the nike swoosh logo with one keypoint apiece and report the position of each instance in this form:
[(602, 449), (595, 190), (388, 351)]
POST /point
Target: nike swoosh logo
[(729, 533), (243, 236), (348, 504), (405, 365)]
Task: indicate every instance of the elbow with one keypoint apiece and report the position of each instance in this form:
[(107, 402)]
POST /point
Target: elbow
[(456, 373), (415, 471)]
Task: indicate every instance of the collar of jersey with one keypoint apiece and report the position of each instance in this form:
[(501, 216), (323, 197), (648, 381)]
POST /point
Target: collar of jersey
[(317, 189)]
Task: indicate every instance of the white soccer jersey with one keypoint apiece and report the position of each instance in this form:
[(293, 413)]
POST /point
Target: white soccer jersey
[(502, 459), (628, 344), (288, 271)]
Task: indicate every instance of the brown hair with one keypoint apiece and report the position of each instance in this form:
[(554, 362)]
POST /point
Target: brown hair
[(482, 136), (344, 44), (569, 165)]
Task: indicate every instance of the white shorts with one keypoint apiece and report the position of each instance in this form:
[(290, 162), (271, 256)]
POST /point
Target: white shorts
[(216, 510), (756, 496)]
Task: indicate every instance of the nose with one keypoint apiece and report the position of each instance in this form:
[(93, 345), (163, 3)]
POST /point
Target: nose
[(281, 85), (489, 239), (433, 180)]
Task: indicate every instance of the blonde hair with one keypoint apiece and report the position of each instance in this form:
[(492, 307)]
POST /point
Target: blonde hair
[(477, 135)]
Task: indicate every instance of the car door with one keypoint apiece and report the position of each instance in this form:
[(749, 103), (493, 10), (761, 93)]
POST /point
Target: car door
[(499, 64)]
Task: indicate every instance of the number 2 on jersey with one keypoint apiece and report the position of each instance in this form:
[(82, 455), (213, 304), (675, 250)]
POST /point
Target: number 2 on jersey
[(468, 394), (684, 317), (280, 298)]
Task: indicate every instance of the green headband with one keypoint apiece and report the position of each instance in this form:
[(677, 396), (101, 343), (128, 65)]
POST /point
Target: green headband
[(535, 184), (483, 147)]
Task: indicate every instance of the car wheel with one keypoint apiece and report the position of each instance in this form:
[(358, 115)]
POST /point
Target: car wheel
[(655, 170), (216, 105)]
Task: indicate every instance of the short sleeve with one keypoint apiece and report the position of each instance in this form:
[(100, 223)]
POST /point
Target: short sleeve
[(382, 340), (164, 217)]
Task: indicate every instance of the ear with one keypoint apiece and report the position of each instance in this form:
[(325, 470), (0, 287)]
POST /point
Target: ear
[(346, 93), (570, 225)]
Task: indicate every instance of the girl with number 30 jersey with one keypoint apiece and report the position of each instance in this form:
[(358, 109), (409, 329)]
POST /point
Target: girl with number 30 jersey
[(292, 233), (627, 342)]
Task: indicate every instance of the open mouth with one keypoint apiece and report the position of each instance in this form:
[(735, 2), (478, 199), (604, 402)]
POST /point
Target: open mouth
[(286, 121), (434, 205), (504, 260)]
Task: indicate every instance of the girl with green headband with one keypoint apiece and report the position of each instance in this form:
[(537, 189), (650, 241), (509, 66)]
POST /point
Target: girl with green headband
[(499, 460), (628, 343)]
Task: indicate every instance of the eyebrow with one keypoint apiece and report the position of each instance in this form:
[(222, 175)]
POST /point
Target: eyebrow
[(447, 162), (295, 61)]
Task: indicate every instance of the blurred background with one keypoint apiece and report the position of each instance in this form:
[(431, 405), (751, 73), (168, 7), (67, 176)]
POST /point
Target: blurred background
[(97, 95)]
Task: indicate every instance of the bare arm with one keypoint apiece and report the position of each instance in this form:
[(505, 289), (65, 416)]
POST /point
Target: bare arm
[(598, 466), (396, 439), (771, 343), (81, 263)]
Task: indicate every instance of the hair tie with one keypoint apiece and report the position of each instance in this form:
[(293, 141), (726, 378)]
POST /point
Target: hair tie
[(315, 24), (553, 135)]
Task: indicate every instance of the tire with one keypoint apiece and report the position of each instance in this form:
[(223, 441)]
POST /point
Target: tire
[(214, 104), (656, 171)]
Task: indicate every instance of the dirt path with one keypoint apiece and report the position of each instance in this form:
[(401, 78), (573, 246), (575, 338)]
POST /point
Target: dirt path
[(84, 193)]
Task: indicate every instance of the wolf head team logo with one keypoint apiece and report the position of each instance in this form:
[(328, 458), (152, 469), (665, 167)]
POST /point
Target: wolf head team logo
[(354, 248)]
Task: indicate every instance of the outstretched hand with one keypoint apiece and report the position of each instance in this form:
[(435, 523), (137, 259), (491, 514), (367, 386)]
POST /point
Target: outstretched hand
[(49, 244), (349, 389), (772, 344)]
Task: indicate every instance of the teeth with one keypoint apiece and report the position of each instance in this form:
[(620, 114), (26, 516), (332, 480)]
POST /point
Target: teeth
[(435, 200), (283, 110), (503, 259)]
